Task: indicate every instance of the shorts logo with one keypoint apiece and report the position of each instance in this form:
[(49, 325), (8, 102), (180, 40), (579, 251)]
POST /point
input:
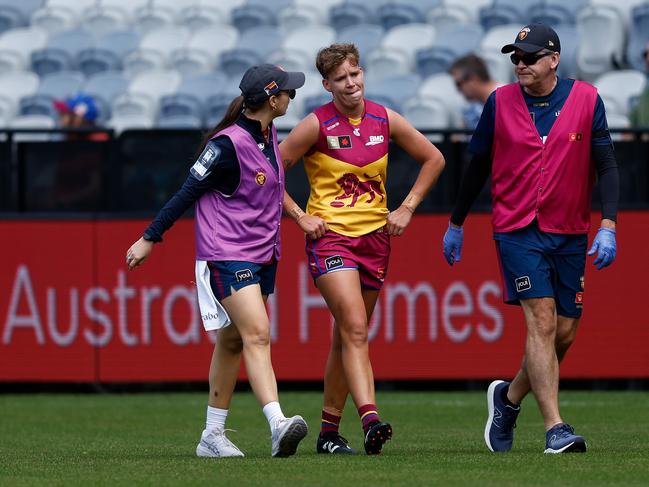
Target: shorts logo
[(575, 137), (579, 299), (339, 142), (333, 262), (581, 281), (243, 275), (523, 284), (380, 274), (260, 178)]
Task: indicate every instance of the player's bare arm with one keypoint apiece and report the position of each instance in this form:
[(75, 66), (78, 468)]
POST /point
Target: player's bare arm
[(432, 164), (296, 144)]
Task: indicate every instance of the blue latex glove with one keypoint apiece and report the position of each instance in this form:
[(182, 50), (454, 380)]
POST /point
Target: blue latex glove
[(453, 239), (605, 246)]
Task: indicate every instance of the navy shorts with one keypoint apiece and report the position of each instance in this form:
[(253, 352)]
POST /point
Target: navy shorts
[(537, 264), (226, 275)]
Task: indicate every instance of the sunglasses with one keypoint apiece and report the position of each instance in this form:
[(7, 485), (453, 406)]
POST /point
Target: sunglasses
[(528, 59), (460, 81)]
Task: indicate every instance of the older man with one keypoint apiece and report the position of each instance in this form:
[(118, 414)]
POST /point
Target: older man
[(539, 138)]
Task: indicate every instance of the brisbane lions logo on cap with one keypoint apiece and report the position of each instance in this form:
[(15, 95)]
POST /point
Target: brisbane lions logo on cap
[(523, 33), (271, 88)]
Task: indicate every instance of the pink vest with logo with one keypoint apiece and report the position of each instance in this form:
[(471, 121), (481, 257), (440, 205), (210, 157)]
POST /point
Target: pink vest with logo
[(551, 182)]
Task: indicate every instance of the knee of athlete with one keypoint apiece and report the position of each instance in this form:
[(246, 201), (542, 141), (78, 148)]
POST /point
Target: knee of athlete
[(354, 333), (258, 337), (565, 339), (543, 329)]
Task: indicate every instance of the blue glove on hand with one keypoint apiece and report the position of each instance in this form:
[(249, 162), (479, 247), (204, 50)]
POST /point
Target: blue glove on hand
[(453, 239), (605, 246)]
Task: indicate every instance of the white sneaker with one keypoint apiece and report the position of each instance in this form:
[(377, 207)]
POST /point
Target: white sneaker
[(287, 433), (215, 444)]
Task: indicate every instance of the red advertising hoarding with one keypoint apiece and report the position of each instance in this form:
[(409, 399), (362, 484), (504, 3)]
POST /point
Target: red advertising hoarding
[(71, 311)]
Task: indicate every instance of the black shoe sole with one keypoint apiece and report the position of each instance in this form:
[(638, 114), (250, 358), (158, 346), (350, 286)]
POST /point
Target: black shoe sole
[(380, 435), (292, 438)]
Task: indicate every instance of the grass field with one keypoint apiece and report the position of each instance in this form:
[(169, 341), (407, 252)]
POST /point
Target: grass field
[(149, 439)]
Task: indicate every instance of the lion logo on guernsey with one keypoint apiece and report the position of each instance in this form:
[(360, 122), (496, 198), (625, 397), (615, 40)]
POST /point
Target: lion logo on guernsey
[(353, 187)]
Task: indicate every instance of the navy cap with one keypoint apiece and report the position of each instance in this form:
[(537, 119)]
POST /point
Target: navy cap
[(261, 82), (533, 38)]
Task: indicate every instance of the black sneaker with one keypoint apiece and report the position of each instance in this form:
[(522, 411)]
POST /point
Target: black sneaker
[(333, 443), (376, 436)]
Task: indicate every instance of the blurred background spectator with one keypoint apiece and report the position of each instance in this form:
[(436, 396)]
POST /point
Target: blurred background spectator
[(472, 79)]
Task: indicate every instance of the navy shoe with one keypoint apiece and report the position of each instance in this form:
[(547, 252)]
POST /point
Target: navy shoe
[(561, 438), (377, 434), (333, 443), (499, 431)]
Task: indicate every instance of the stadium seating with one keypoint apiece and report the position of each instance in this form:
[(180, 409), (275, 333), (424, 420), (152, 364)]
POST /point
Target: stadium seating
[(569, 36), (366, 37), (17, 45), (638, 36), (248, 16), (617, 88), (557, 12), (60, 52), (351, 13), (442, 87), (212, 42), (154, 49), (198, 16), (601, 29), (254, 47), (128, 6), (62, 84), (104, 88), (14, 86), (396, 55), (101, 19), (37, 105), (448, 14), (300, 47), (392, 91), (503, 12), (34, 121), (108, 52), (427, 113), (17, 13), (454, 41), (55, 18), (500, 67)]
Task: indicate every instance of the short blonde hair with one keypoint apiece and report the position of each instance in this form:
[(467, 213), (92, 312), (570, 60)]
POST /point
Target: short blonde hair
[(329, 58)]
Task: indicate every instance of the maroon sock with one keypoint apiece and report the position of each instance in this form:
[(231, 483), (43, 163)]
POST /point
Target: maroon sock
[(369, 414), (330, 422)]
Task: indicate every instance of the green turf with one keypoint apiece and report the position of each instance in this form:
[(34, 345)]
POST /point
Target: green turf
[(149, 439)]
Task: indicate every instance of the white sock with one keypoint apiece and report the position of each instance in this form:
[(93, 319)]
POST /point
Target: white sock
[(273, 413), (215, 418)]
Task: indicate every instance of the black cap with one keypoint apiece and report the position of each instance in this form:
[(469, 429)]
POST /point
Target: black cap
[(533, 38), (261, 82)]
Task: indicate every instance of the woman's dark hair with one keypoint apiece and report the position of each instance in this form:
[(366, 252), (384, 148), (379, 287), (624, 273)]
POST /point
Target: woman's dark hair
[(231, 115)]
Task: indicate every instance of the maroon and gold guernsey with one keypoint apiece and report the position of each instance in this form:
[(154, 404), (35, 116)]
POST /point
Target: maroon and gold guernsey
[(347, 170)]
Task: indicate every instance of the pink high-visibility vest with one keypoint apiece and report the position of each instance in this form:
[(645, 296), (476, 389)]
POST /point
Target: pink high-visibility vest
[(551, 182)]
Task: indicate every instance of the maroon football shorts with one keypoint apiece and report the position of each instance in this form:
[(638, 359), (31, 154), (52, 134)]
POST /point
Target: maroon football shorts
[(369, 254)]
